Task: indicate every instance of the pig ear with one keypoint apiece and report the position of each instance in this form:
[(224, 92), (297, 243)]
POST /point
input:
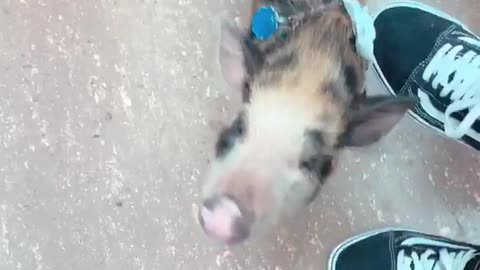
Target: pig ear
[(375, 117), (237, 56)]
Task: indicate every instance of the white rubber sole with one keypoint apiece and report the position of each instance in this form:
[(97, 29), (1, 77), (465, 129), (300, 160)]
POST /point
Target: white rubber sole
[(429, 9), (332, 261)]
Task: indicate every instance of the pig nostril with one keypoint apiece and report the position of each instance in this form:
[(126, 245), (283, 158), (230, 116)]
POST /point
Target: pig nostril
[(210, 203), (224, 203)]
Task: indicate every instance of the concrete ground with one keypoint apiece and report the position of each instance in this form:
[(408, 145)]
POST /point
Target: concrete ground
[(108, 113)]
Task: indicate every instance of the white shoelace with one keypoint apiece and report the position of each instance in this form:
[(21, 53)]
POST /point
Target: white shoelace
[(465, 86), (443, 261)]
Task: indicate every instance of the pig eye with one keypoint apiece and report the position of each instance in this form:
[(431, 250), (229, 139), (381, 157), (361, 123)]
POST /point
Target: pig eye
[(319, 165), (238, 126), (228, 137), (326, 168)]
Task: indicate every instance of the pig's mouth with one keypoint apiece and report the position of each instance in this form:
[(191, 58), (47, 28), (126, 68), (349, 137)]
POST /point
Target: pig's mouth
[(222, 220)]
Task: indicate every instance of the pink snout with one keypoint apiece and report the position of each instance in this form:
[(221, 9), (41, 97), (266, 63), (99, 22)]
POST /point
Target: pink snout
[(222, 220)]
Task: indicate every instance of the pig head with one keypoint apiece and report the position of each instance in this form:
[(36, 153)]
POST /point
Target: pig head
[(304, 101)]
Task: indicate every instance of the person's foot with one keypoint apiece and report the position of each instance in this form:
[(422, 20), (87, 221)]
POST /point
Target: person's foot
[(423, 52), (395, 249)]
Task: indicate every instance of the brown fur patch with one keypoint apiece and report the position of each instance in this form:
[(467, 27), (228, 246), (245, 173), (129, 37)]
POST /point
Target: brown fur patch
[(316, 67)]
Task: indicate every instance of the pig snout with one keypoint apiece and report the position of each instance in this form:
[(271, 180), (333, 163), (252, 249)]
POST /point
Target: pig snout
[(222, 219)]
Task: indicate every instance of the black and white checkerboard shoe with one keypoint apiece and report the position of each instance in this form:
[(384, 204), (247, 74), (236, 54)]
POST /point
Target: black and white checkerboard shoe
[(423, 52), (395, 249)]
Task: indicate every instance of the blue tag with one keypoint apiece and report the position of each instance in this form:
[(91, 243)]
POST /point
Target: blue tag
[(265, 22)]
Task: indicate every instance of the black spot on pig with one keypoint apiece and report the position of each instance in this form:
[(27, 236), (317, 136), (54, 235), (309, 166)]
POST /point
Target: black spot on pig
[(230, 136), (315, 156)]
